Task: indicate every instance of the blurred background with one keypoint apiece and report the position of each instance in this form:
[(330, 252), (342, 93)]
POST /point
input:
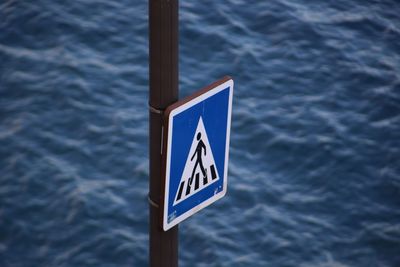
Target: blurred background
[(314, 173)]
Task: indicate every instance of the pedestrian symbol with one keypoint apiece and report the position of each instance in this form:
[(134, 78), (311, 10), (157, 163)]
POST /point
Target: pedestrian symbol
[(200, 170), (195, 151)]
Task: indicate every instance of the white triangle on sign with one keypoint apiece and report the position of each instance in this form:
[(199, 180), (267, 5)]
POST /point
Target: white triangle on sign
[(200, 169)]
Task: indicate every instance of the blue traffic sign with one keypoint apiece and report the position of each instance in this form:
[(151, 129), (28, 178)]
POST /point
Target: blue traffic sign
[(196, 151)]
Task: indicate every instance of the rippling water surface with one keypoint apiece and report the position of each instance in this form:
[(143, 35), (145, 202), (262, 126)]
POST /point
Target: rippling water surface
[(314, 174)]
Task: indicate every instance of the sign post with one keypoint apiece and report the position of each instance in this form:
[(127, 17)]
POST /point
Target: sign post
[(196, 151), (163, 53)]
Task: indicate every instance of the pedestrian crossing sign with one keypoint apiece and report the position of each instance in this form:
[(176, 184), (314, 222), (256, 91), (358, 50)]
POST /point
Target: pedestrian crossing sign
[(195, 150)]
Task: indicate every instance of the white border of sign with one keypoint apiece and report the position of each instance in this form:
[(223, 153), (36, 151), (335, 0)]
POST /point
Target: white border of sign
[(170, 113)]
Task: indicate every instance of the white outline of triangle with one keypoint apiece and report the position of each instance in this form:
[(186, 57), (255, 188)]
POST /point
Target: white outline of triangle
[(187, 170)]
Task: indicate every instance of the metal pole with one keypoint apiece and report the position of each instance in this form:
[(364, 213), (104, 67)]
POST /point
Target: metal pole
[(163, 50)]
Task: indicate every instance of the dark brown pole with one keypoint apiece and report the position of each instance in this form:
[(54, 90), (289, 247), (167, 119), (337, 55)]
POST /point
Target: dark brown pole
[(163, 50)]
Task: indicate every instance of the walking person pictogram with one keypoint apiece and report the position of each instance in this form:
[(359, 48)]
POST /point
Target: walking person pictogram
[(199, 161)]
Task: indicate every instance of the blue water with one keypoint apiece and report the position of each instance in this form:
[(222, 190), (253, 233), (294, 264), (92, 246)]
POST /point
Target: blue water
[(314, 174)]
